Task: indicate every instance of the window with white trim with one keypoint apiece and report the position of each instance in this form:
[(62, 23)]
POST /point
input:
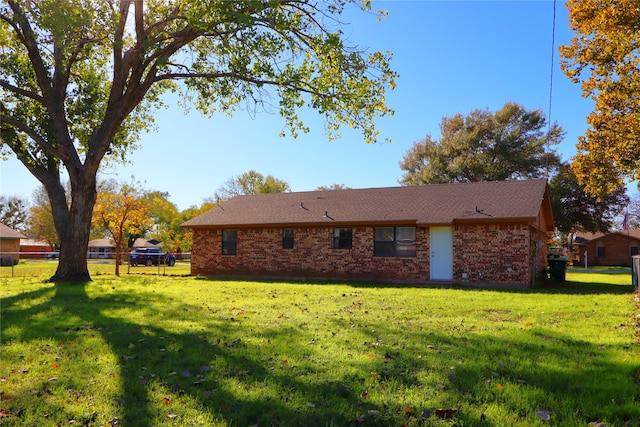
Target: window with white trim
[(394, 241)]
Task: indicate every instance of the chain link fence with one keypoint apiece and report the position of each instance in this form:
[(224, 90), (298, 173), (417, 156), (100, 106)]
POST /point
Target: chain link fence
[(37, 264)]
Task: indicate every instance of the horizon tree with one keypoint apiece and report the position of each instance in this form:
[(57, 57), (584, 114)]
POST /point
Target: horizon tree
[(41, 218), (250, 182), (575, 209), (511, 143), (14, 212), (80, 80), (121, 210)]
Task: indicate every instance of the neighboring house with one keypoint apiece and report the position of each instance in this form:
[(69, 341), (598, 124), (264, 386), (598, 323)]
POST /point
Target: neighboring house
[(101, 248), (9, 245), (147, 243), (33, 248), (615, 248), (484, 233)]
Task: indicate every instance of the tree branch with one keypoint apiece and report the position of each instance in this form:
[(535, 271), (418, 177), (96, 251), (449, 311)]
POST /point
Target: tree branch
[(19, 91), (35, 136), (245, 78)]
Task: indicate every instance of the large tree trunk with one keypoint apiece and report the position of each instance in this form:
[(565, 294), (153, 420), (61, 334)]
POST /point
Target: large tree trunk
[(73, 224)]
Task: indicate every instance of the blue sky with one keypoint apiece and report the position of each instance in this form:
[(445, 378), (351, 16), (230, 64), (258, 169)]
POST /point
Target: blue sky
[(452, 56)]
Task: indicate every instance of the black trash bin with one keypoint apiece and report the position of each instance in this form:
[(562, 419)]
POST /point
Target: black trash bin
[(635, 272), (558, 268)]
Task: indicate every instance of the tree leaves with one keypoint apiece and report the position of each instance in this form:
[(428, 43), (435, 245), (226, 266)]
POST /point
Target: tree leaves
[(603, 58), (512, 143), (80, 82), (575, 209)]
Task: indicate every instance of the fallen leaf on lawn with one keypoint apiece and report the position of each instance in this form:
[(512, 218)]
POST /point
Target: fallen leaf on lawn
[(371, 356), (500, 387), (172, 416), (166, 401), (364, 395), (407, 410), (543, 415), (597, 424), (445, 414), (4, 413), (54, 365), (311, 405)]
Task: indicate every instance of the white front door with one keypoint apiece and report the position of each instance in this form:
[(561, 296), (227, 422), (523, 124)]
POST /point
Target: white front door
[(441, 243)]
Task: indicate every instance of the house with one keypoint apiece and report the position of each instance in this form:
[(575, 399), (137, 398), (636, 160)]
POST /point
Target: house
[(478, 233), (9, 245), (34, 248), (615, 248), (147, 243), (101, 248)]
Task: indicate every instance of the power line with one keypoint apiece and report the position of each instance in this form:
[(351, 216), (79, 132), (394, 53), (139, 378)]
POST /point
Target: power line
[(553, 55)]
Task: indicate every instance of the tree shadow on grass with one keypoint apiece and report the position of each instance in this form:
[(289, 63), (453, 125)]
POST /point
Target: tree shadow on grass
[(543, 286), (165, 377), (491, 379), (204, 370)]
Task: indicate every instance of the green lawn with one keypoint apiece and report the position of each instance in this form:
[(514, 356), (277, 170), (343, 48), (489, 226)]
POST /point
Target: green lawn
[(46, 268), (169, 350)]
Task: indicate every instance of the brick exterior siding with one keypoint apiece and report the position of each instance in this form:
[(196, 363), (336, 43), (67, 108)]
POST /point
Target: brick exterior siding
[(497, 253), (616, 247), (10, 248), (487, 253)]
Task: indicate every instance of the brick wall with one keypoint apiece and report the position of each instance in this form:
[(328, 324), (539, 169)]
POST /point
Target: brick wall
[(616, 250), (10, 248), (495, 253), (498, 253)]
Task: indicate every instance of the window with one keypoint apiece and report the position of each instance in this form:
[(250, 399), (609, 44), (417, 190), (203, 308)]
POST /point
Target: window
[(633, 250), (342, 238), (287, 238), (600, 251), (394, 241), (229, 242)]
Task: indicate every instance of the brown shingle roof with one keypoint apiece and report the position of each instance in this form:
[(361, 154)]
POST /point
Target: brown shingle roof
[(635, 234), (422, 205), (7, 232)]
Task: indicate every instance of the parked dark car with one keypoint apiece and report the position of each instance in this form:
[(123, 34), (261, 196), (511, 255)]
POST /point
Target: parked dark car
[(52, 254), (150, 256)]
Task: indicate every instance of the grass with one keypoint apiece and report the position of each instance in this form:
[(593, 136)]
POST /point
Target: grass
[(41, 268), (167, 350)]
